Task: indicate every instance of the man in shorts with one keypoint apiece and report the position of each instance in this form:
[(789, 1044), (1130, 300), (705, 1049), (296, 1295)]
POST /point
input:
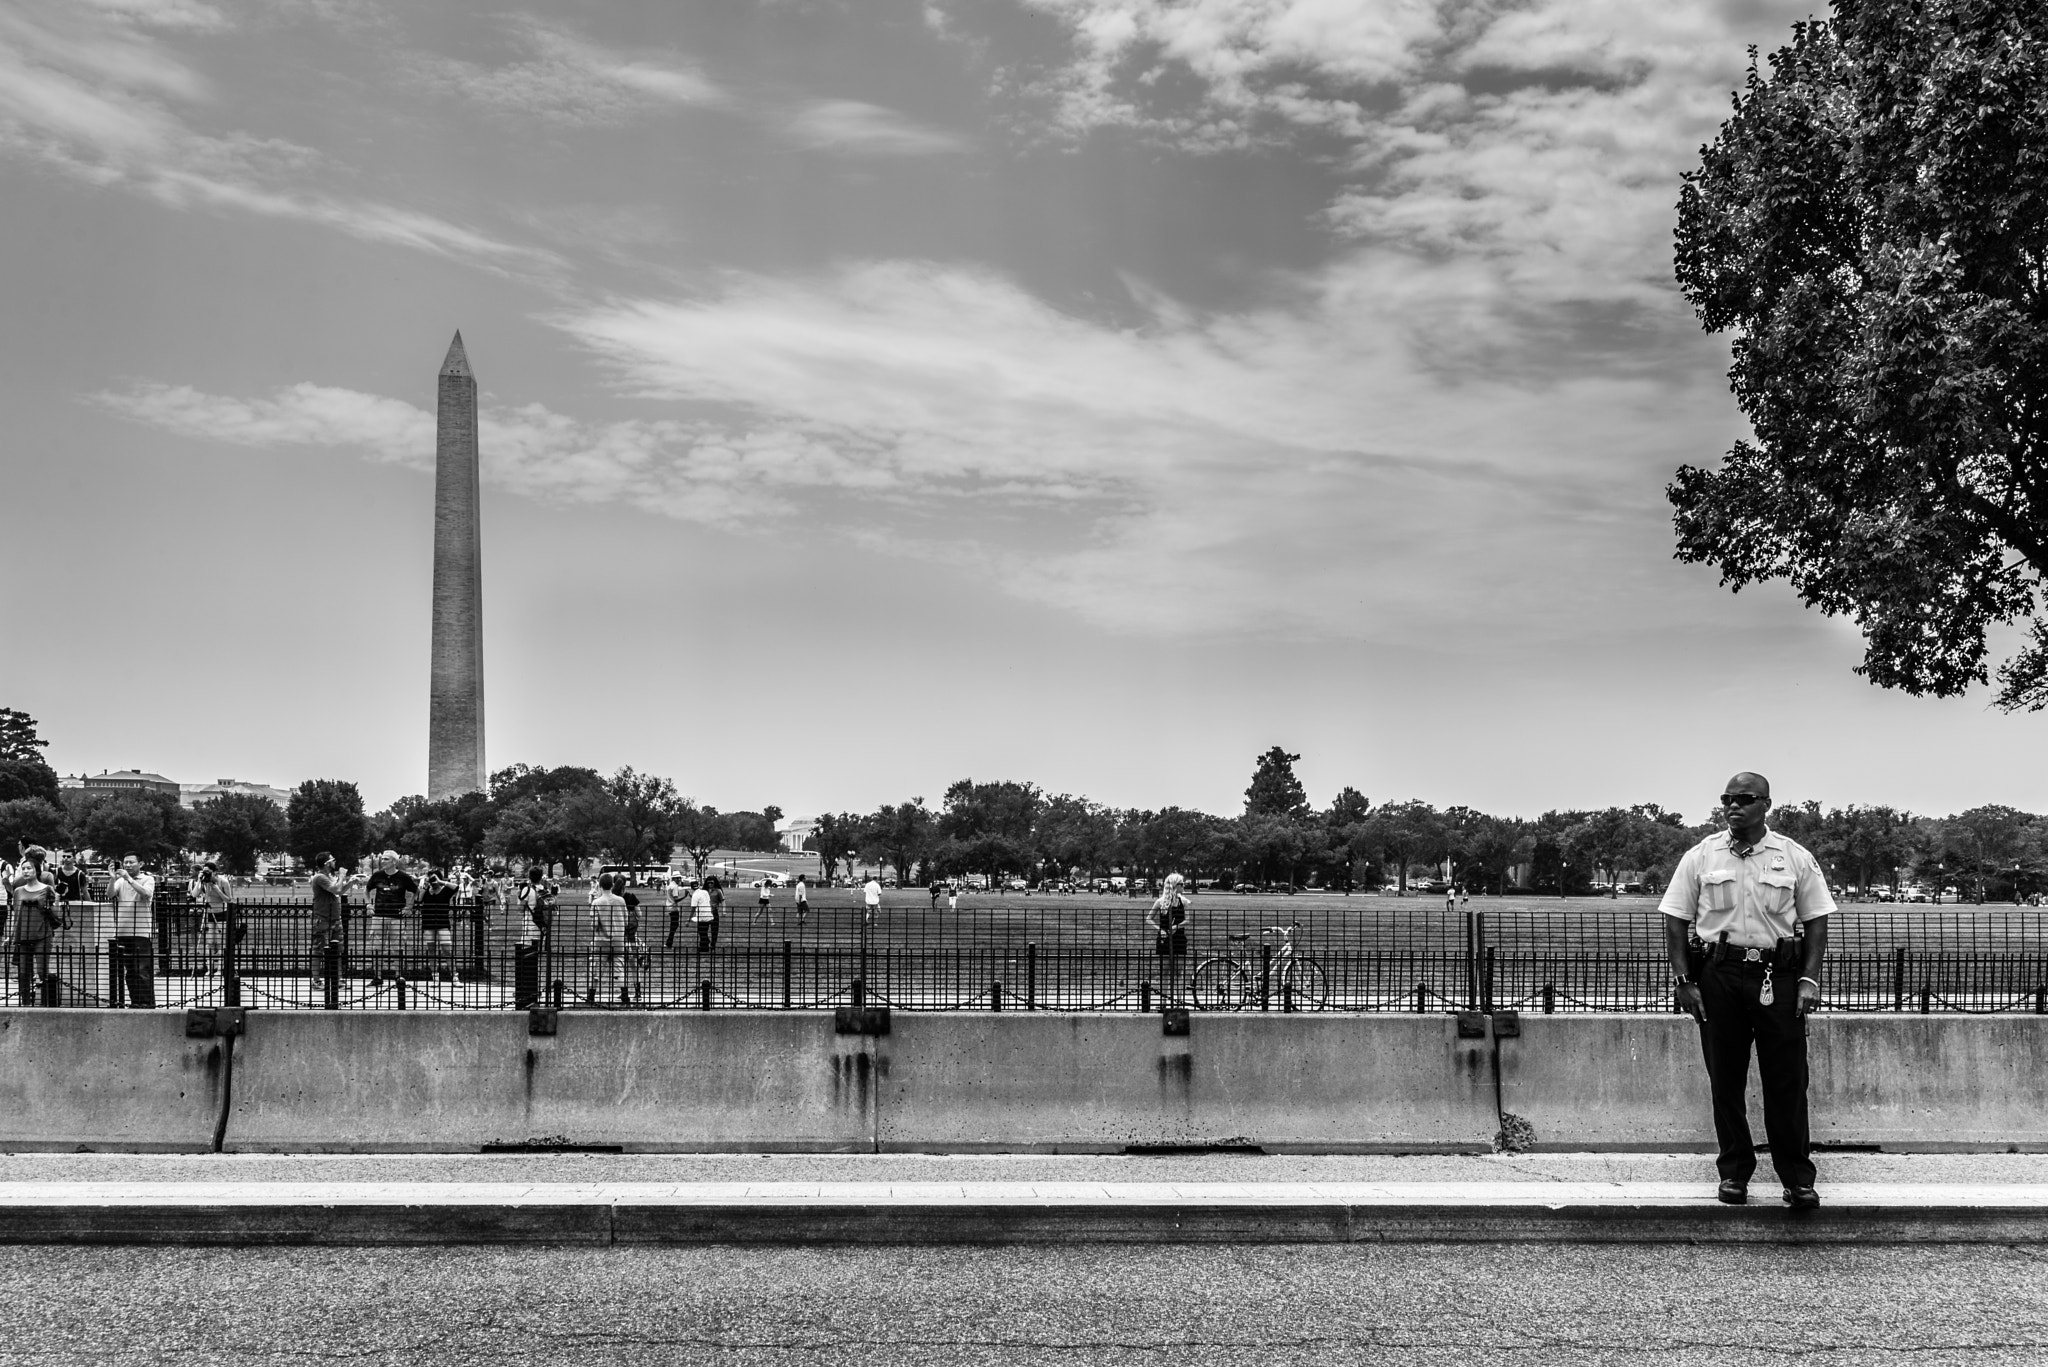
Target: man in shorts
[(330, 900), (607, 936), (392, 894), (871, 893)]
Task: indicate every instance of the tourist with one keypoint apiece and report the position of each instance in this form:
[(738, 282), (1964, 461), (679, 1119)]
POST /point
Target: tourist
[(677, 893), (953, 896), (871, 894), (1169, 921), (330, 909), (761, 902), (1741, 966), (634, 950), (607, 933), (392, 893), (211, 886), (131, 968), (74, 888), (36, 921), (704, 912), (937, 888), (803, 898), (536, 903), (437, 924)]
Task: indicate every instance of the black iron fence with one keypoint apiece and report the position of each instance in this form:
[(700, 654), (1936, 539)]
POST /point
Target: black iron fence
[(1236, 955)]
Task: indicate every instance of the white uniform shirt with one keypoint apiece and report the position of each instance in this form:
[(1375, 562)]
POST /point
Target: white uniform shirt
[(1756, 899), (874, 892), (700, 905)]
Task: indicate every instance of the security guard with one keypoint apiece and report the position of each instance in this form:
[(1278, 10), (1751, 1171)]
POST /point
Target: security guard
[(1745, 921)]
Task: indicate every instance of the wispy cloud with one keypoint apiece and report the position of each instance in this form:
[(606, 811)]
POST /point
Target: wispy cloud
[(88, 90), (567, 78), (868, 129), (1290, 470)]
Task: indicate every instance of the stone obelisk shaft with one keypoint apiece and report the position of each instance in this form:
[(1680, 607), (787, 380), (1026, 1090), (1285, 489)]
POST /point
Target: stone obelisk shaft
[(455, 709)]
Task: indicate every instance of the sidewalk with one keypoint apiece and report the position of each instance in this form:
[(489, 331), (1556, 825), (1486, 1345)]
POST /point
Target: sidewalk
[(936, 1199)]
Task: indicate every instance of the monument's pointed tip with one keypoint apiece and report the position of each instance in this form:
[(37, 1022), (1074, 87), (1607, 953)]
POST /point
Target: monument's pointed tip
[(458, 359)]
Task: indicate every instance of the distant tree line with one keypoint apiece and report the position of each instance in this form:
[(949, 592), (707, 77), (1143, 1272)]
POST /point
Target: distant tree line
[(1010, 829)]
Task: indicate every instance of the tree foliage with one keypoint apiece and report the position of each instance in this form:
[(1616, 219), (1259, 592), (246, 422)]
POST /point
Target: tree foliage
[(1872, 225), (1274, 790), (32, 821), (18, 738), (236, 828), (325, 816), (151, 826)]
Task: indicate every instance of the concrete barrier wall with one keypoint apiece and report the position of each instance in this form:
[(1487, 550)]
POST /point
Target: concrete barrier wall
[(126, 1080), (681, 1081), (1930, 1082), (671, 1081), (1079, 1083), (1611, 1082)]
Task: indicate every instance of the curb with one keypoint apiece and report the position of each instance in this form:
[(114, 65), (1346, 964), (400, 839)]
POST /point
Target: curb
[(624, 1223)]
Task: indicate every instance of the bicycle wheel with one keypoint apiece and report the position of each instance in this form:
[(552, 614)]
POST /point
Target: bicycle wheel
[(1305, 983), (1221, 985)]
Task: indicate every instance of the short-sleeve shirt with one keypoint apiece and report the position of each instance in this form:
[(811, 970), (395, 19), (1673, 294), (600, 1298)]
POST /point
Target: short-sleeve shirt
[(700, 906), (803, 892), (437, 907), (1757, 898), (608, 916), (874, 893), (326, 899), (387, 891), (134, 904)]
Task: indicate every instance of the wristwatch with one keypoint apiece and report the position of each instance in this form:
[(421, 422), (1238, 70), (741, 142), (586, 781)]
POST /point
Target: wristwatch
[(1681, 980)]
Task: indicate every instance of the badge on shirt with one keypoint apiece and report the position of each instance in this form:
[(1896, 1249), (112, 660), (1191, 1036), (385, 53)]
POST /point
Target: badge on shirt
[(1778, 864)]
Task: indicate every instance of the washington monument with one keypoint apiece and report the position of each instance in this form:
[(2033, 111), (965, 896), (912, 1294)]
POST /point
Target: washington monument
[(455, 707)]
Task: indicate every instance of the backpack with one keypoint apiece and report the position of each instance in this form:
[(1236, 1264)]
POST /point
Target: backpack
[(540, 904)]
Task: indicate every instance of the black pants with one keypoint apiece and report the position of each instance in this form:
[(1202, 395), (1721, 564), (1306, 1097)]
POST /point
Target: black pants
[(1737, 1022), (32, 965), (707, 935), (132, 971), (525, 976)]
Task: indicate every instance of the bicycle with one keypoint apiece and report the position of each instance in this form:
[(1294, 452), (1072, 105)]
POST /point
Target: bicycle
[(1225, 983)]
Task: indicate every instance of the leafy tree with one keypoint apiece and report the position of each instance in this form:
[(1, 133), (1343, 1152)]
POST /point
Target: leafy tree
[(520, 781), (151, 826), (325, 815), (236, 827), (1348, 808), (1006, 809), (1872, 224), (747, 831), (29, 777), (18, 738), (1272, 843), (898, 835), (31, 821), (832, 838), (1274, 790), (542, 829), (1072, 833), (646, 815), (1407, 832)]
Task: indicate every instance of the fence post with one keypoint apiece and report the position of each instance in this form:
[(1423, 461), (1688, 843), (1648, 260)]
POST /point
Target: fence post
[(1031, 976), (1471, 966), (1486, 980), (995, 996), (1550, 999), (230, 985), (787, 955), (330, 976), (1145, 996), (1419, 1003), (1265, 976), (704, 995)]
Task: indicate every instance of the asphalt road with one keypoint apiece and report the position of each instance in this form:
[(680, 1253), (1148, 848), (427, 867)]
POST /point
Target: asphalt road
[(1273, 1306)]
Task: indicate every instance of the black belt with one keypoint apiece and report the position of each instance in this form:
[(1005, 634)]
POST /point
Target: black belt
[(1741, 956)]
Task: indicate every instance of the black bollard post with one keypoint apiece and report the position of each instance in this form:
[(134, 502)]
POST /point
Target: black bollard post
[(995, 996), (788, 955), (1265, 977), (1031, 976), (330, 977), (1145, 997)]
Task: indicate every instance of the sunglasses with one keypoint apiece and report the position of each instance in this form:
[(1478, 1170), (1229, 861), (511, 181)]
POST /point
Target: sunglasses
[(1739, 799)]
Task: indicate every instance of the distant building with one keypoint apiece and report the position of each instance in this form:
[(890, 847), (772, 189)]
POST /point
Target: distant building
[(193, 794), (127, 781), (793, 831)]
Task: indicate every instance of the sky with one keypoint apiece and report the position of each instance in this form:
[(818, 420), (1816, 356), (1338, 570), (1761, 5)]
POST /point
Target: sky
[(877, 394)]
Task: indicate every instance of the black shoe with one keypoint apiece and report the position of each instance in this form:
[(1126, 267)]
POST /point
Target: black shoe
[(1802, 1198), (1732, 1192)]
